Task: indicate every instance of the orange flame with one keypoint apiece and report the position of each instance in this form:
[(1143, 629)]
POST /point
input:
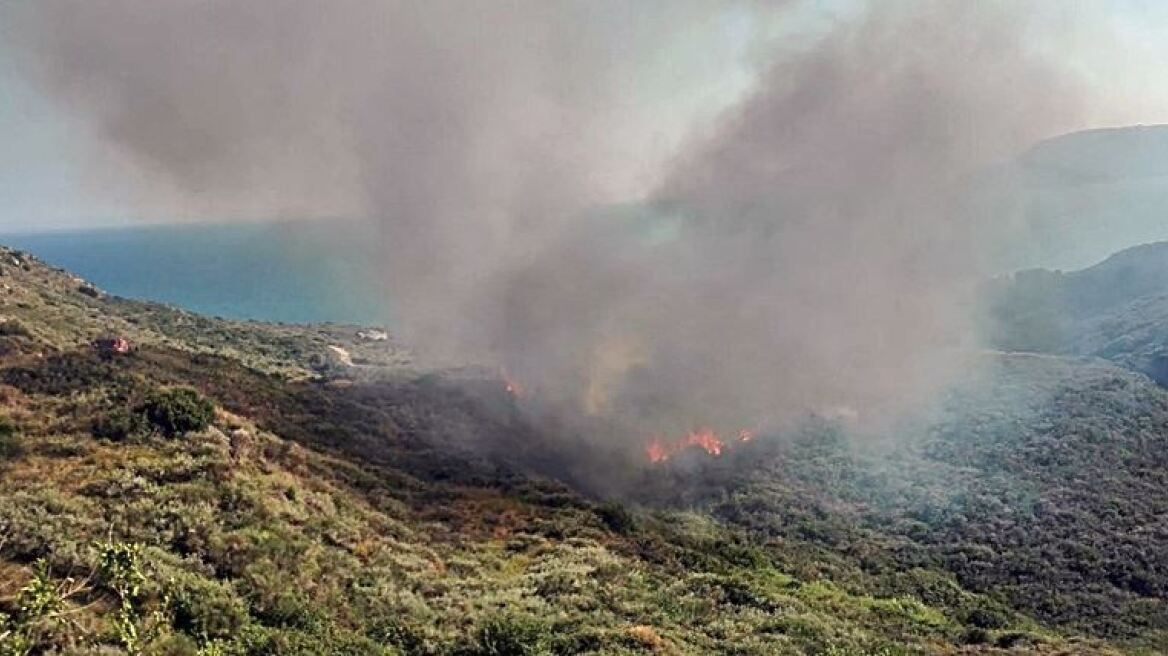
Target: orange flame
[(660, 449), (706, 439), (657, 451), (510, 384)]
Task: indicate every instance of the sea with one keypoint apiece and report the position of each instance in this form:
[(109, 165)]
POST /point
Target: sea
[(290, 272)]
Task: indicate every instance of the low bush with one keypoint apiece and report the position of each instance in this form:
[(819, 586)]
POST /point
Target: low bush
[(985, 618), (120, 425), (617, 518), (120, 574), (179, 410), (9, 438), (509, 635), (975, 636), (62, 375), (206, 609)]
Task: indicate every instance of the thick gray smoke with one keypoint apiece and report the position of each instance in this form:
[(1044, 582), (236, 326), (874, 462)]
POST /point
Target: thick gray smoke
[(470, 130), (808, 250), (824, 249)]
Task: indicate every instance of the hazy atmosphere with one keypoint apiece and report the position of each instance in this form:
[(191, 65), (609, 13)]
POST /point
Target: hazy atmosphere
[(739, 209), (600, 250)]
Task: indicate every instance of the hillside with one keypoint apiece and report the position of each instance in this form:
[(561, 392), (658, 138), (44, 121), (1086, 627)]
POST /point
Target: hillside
[(1117, 309), (317, 507), (1100, 155)]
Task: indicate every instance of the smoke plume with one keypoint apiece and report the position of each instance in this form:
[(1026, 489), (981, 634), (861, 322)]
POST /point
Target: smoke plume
[(811, 248)]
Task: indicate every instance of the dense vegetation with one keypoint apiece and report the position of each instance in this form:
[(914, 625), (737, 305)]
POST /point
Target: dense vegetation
[(208, 493)]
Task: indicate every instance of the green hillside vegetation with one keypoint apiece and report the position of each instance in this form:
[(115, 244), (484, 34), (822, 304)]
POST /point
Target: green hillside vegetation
[(1117, 309), (219, 490)]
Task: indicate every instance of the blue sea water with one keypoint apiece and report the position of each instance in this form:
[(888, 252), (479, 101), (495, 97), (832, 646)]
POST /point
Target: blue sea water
[(294, 272)]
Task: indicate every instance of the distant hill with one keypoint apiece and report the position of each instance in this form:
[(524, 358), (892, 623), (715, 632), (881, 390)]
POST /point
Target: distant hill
[(227, 487), (1099, 156), (1117, 309), (1085, 195)]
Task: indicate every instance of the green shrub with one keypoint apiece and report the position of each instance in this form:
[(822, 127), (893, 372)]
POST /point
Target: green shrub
[(985, 618), (1014, 639), (37, 613), (290, 608), (616, 517), (409, 637), (975, 636), (176, 644), (179, 410), (120, 425), (120, 573), (172, 412), (9, 438), (205, 608), (266, 563), (508, 635)]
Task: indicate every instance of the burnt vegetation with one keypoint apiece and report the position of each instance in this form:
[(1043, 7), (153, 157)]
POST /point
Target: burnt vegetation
[(184, 499)]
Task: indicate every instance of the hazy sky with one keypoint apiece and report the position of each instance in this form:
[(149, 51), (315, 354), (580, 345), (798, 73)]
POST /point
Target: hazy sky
[(1117, 45)]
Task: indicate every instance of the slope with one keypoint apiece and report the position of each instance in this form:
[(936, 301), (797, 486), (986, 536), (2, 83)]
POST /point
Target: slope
[(381, 509), (1117, 309)]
